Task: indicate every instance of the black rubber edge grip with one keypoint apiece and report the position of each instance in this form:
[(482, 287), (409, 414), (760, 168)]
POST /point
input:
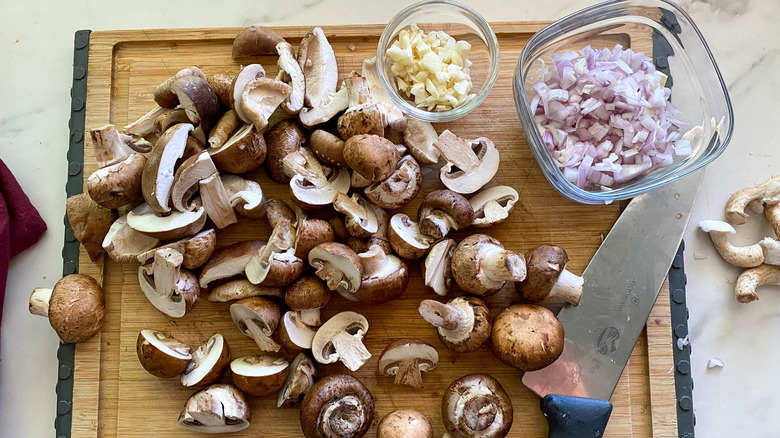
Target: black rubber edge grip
[(70, 249), (683, 381)]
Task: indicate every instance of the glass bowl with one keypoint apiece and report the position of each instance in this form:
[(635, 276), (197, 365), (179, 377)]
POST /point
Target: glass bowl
[(461, 23), (678, 50)]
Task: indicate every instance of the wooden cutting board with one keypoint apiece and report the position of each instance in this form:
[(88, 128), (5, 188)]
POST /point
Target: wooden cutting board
[(114, 396)]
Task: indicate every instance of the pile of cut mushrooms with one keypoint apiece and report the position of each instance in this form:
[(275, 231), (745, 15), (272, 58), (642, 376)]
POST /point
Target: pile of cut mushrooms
[(170, 180)]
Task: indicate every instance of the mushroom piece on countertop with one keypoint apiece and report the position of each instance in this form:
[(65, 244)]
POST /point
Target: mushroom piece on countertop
[(375, 158), (256, 40), (406, 239), (392, 116), (318, 63), (243, 151), (294, 334), (752, 278), (247, 74), (337, 406), (492, 206), (306, 296), (300, 379), (208, 362), (161, 355), (547, 277), (111, 147), (124, 244), (407, 359), (198, 100), (313, 185), (360, 218), (118, 184), (158, 174), (437, 267), (328, 148), (419, 137), (275, 263), (481, 265), (527, 337), (176, 225), (337, 265), (245, 196), (170, 289), (242, 288), (289, 68), (90, 222), (463, 324), (476, 405), (363, 115), (218, 408), (259, 375), (404, 423), (284, 138), (755, 198), (257, 318), (165, 96), (470, 164), (340, 338), (197, 250), (229, 261), (75, 307), (742, 256), (399, 188), (260, 98), (384, 279), (443, 210)]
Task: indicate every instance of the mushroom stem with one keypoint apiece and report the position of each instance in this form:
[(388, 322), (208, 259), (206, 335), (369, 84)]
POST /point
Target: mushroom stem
[(568, 288), (350, 350), (39, 301), (409, 373), (503, 265), (258, 333), (772, 213), (744, 256), (441, 315), (751, 279), (374, 260)]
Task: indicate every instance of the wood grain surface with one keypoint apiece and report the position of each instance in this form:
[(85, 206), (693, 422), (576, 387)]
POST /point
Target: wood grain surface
[(114, 396)]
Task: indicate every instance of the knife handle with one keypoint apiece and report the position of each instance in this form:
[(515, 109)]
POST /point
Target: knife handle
[(574, 417)]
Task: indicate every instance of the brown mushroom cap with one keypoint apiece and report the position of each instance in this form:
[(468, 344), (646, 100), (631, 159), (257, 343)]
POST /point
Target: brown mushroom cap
[(259, 375), (481, 265), (222, 85), (545, 264), (385, 277), (404, 423), (164, 96), (308, 292), (77, 308), (229, 261), (257, 318), (161, 355), (285, 137), (373, 157), (256, 40), (312, 232), (118, 184), (476, 404), (400, 187), (339, 406), (242, 288), (328, 148), (198, 100), (243, 152), (406, 239), (90, 223), (527, 337), (442, 210)]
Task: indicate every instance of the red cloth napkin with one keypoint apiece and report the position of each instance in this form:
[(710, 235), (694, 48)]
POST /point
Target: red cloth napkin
[(20, 224)]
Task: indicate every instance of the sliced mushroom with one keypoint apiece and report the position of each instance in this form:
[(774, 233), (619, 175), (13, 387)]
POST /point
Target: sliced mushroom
[(245, 196), (406, 239), (257, 318), (118, 184), (176, 225), (477, 405), (463, 324), (328, 148), (360, 220), (216, 201), (392, 116), (277, 211), (481, 265), (289, 67), (337, 265), (442, 210), (548, 279), (340, 338), (527, 337), (260, 98), (170, 289), (197, 250), (229, 261), (222, 85), (300, 379), (198, 100), (256, 40), (419, 137), (259, 375), (492, 206), (75, 307), (158, 175), (216, 409), (318, 64), (161, 355), (404, 423), (242, 288), (145, 124), (398, 189), (337, 406), (111, 147), (437, 268), (123, 244), (363, 115), (407, 359), (312, 117), (90, 222), (165, 96), (275, 264), (311, 184), (470, 164), (244, 151), (208, 362), (246, 75), (294, 334), (186, 180), (170, 118), (373, 157), (284, 138), (385, 277)]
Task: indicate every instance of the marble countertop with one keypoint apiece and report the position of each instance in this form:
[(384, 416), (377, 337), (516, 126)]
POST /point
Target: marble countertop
[(36, 41)]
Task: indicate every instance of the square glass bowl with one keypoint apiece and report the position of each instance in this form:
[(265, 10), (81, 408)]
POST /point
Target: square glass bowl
[(459, 22), (678, 49)]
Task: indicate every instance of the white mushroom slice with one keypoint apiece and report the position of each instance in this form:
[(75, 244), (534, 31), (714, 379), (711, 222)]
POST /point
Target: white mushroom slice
[(185, 181), (392, 116), (176, 225), (293, 333), (111, 147), (407, 359), (299, 380), (260, 99), (216, 201), (360, 220), (229, 261), (744, 256), (312, 184), (245, 196), (406, 239), (318, 64), (257, 318), (311, 117), (399, 188), (311, 317), (242, 288), (145, 124), (168, 288), (436, 269), (419, 137), (246, 75), (358, 181), (123, 244), (470, 164), (216, 409), (340, 338), (492, 206), (157, 179), (337, 265), (288, 66)]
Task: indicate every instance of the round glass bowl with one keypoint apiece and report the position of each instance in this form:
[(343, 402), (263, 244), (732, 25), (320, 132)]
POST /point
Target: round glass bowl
[(461, 23), (666, 34)]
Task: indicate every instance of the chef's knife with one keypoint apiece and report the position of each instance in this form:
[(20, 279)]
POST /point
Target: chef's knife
[(621, 284)]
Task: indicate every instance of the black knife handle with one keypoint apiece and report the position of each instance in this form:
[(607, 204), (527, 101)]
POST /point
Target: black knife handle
[(575, 417)]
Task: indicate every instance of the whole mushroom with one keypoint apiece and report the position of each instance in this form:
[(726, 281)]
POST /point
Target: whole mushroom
[(373, 157), (404, 423), (481, 265), (337, 406), (476, 405), (547, 277), (527, 337), (75, 307), (463, 324)]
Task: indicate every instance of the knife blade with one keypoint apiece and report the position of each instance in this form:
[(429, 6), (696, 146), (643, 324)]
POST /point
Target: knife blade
[(622, 282)]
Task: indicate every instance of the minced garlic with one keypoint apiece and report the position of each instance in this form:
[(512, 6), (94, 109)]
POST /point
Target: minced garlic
[(432, 68)]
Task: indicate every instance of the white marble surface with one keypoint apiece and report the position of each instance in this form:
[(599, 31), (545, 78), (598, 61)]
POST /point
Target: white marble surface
[(36, 42)]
